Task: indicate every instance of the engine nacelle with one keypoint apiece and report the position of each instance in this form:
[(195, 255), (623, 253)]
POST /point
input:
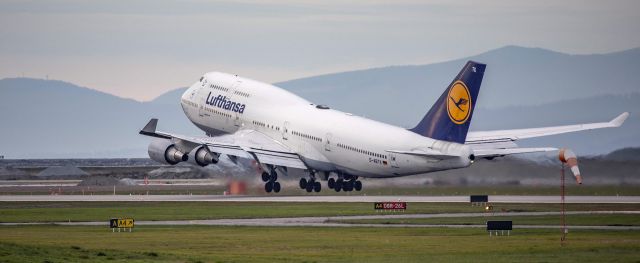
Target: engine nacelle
[(202, 156), (164, 151)]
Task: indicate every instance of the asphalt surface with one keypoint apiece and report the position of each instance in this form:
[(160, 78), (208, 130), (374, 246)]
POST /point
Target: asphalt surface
[(322, 198), (339, 221)]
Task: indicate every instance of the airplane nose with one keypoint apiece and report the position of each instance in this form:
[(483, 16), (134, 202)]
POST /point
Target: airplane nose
[(190, 92)]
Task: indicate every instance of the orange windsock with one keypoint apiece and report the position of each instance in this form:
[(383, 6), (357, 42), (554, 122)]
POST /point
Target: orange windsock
[(569, 157)]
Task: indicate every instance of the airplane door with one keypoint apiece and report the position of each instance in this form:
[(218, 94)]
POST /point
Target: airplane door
[(285, 130), (394, 162), (327, 142), (203, 100), (232, 92)]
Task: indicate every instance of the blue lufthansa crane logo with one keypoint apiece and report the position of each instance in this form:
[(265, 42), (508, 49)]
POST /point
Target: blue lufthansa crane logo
[(459, 103)]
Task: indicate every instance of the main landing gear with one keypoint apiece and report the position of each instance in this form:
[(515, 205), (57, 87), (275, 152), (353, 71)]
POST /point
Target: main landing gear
[(310, 185), (271, 181), (347, 183)]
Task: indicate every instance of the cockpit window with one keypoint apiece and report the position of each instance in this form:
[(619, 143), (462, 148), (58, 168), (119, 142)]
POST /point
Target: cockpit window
[(201, 78)]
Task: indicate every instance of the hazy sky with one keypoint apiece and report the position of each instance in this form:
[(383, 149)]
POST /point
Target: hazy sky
[(139, 49)]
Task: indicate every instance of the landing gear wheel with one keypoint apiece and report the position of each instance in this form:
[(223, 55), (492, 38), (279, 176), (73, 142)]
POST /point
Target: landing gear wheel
[(338, 185), (268, 187), (331, 183), (303, 183), (274, 177), (276, 187), (317, 187), (309, 186), (357, 185), (347, 186), (265, 176)]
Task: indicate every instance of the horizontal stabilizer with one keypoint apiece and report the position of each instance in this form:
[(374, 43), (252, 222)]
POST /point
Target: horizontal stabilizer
[(434, 155), (502, 152)]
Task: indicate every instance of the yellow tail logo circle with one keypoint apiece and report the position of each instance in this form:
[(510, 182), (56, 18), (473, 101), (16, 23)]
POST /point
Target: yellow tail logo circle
[(459, 103)]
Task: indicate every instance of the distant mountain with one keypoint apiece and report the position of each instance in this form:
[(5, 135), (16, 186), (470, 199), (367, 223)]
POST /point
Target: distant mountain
[(51, 119), (515, 76), (171, 97), (626, 154), (523, 87)]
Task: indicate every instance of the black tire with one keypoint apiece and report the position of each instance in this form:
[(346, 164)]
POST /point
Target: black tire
[(357, 185), (337, 186), (331, 183), (268, 187), (265, 177), (276, 187), (303, 183), (273, 177), (317, 187), (348, 186), (309, 187)]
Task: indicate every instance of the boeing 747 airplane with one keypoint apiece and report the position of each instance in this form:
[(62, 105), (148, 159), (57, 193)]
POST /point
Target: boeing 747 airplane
[(243, 118)]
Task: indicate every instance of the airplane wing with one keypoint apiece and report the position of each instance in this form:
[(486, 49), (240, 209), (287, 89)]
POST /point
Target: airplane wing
[(502, 142), (244, 143)]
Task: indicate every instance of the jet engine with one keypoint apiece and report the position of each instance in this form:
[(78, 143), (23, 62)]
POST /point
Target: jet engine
[(165, 151), (202, 156)]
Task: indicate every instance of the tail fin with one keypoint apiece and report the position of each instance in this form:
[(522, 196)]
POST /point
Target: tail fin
[(450, 116)]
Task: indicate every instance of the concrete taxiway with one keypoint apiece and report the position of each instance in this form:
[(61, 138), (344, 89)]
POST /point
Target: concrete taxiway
[(341, 221), (319, 198)]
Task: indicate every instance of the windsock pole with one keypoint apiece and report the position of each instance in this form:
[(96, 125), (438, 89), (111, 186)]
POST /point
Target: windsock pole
[(563, 221), (569, 158)]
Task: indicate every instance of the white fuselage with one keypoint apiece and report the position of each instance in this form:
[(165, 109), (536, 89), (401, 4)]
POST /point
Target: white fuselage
[(327, 140)]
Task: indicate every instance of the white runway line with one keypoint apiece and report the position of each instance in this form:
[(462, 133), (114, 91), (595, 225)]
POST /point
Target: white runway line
[(321, 198)]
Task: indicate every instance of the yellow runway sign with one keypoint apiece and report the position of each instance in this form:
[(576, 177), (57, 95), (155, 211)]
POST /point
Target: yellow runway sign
[(121, 222)]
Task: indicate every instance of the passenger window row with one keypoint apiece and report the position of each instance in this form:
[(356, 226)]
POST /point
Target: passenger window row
[(243, 94), (190, 103), (214, 86), (212, 110), (362, 151), (307, 136), (262, 124)]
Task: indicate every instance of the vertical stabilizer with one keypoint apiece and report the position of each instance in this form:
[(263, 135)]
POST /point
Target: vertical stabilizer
[(450, 116)]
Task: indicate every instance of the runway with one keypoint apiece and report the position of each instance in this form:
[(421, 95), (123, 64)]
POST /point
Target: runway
[(339, 221), (316, 198)]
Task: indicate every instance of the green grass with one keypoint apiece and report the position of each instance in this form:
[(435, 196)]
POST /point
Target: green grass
[(102, 211), (322, 244), (572, 220)]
